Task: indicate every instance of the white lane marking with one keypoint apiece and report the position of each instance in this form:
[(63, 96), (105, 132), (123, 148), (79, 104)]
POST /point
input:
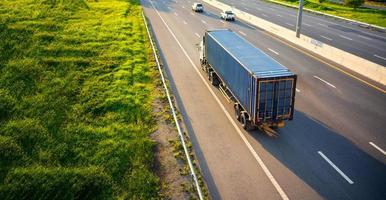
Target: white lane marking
[(322, 24), (273, 51), (258, 8), (336, 168), (327, 38), (366, 38), (222, 21), (242, 33), (185, 22), (379, 57), (183, 7), (306, 24), (246, 8), (281, 192), (197, 35), (325, 81), (176, 14), (279, 15), (378, 148), (169, 8), (345, 37), (203, 21), (297, 90), (289, 24), (264, 15)]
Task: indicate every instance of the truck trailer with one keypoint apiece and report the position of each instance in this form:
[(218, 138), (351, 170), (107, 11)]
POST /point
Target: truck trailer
[(262, 90)]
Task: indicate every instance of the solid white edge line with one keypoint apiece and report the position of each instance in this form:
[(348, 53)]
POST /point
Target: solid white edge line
[(317, 77), (297, 90), (256, 156), (378, 148), (187, 154), (379, 57), (197, 34), (273, 51), (204, 22), (336, 168)]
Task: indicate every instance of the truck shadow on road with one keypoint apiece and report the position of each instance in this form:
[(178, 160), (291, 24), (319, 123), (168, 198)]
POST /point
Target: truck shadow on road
[(297, 149)]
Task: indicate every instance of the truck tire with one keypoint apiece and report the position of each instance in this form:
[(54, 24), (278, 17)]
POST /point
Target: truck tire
[(237, 111), (213, 79), (245, 123)]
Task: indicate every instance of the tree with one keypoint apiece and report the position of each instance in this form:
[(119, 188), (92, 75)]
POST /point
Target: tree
[(353, 3)]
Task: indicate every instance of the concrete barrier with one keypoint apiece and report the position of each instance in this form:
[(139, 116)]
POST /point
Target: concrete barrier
[(355, 63)]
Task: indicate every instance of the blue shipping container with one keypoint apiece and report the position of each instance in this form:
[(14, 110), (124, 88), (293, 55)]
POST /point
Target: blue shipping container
[(263, 87)]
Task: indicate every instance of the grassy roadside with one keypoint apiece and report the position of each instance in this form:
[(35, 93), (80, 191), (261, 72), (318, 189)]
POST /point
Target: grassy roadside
[(76, 93), (366, 15)]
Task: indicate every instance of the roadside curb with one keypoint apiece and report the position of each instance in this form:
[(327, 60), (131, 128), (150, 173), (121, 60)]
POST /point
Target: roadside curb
[(172, 107), (359, 23)]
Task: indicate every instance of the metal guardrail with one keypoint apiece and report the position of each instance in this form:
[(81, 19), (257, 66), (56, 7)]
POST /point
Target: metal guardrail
[(192, 171)]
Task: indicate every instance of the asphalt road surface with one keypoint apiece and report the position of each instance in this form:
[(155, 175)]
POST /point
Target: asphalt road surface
[(333, 149), (363, 42)]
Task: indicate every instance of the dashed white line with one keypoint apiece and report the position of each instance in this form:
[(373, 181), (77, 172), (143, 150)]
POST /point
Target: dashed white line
[(279, 15), (289, 24), (273, 51), (378, 148), (306, 24), (366, 38), (379, 57), (246, 8), (183, 7), (258, 8), (222, 21), (169, 8), (204, 22), (197, 35), (185, 22), (297, 90), (327, 38), (345, 37), (264, 15), (242, 33), (278, 188), (336, 168), (322, 24), (325, 81)]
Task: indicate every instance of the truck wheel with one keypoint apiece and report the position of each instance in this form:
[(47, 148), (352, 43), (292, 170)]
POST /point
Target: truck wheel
[(213, 79), (237, 112), (245, 123)]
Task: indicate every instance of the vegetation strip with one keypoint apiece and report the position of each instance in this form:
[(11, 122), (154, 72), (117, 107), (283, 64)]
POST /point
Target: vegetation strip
[(194, 176), (76, 93)]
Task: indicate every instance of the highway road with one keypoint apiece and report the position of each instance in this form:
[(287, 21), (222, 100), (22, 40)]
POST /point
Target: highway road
[(363, 42), (333, 149)]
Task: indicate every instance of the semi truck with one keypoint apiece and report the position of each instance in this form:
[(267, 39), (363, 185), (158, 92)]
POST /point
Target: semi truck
[(261, 89)]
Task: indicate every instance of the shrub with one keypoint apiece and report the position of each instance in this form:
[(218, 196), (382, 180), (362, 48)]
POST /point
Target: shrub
[(353, 3)]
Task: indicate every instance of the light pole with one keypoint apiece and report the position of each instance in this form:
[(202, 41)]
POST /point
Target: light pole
[(299, 20)]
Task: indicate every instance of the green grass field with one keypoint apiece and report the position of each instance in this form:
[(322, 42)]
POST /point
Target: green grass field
[(77, 85), (367, 15)]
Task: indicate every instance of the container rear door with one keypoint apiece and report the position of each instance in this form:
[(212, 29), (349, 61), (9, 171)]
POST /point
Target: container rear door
[(275, 99)]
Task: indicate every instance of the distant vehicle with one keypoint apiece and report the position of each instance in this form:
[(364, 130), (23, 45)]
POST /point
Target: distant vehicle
[(197, 7), (227, 15), (262, 90)]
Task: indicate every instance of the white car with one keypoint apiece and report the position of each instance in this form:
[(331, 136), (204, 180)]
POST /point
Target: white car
[(227, 15), (197, 7)]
